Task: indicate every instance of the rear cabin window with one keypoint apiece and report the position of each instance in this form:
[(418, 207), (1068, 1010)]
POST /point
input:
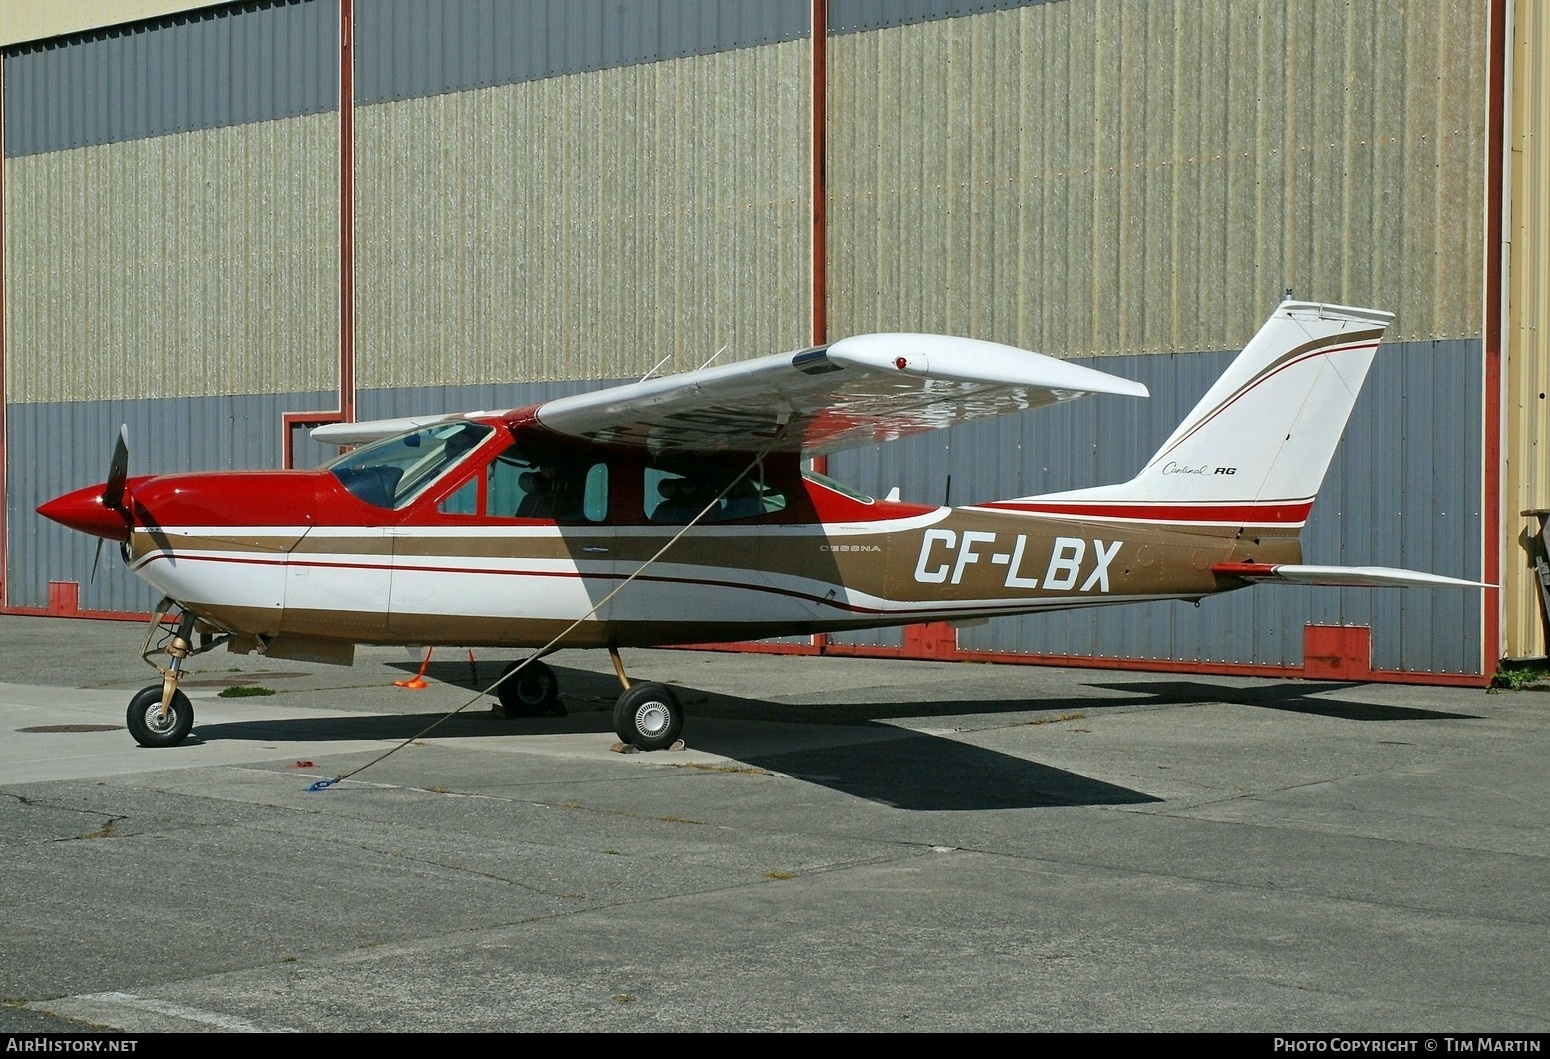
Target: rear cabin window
[(677, 492)]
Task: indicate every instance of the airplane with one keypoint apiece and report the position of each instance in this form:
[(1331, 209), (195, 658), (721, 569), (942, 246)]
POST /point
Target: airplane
[(680, 509)]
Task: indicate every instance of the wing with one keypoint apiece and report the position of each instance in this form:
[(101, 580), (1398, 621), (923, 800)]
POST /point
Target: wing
[(857, 391), (364, 433)]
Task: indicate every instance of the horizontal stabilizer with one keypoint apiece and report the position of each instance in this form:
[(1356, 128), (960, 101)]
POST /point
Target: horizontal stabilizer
[(1340, 576)]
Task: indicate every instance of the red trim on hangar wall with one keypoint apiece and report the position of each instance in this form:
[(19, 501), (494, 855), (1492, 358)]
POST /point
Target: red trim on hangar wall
[(344, 411), (820, 202), (1148, 665), (5, 587), (1492, 640), (347, 210)]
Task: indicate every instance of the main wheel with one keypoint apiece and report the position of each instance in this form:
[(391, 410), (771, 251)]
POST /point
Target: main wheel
[(531, 693), (648, 716), (146, 724)]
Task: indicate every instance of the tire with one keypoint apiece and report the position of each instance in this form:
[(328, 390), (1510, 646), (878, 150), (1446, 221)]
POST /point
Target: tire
[(143, 723), (648, 717), (531, 693)]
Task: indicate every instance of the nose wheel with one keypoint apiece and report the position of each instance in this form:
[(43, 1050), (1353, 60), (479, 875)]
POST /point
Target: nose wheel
[(161, 715), (154, 727)]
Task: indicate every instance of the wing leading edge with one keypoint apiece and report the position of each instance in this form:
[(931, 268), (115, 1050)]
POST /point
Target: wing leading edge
[(857, 391)]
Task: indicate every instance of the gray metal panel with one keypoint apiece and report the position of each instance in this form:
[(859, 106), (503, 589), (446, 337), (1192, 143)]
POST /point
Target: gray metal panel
[(410, 48), (207, 69), (856, 16), (62, 446), (1404, 490)]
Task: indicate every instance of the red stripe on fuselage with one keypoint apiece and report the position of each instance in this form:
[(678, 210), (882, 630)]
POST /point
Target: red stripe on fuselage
[(1279, 513)]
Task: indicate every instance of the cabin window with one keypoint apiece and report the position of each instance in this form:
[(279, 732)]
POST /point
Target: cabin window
[(523, 483), (392, 472), (676, 492), (463, 502), (829, 483)]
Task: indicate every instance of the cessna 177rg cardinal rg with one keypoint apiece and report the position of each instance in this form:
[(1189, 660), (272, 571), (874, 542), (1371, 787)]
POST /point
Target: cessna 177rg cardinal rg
[(676, 510)]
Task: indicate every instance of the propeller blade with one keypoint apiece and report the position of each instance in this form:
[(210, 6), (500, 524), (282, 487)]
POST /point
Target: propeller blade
[(95, 560), (118, 472)]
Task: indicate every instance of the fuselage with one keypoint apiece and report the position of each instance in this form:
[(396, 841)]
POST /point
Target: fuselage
[(497, 534)]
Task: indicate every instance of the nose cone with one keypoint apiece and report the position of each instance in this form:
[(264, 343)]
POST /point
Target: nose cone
[(84, 510)]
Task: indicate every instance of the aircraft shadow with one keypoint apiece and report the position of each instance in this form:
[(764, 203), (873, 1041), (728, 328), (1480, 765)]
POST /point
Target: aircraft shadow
[(908, 770), (1291, 697)]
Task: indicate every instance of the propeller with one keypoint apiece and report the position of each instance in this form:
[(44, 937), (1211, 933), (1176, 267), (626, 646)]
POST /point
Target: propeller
[(113, 489), (118, 473)]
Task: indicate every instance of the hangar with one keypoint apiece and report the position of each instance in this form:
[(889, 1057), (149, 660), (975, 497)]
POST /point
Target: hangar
[(226, 223)]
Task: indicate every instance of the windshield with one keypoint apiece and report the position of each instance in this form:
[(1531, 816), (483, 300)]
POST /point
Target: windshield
[(392, 472)]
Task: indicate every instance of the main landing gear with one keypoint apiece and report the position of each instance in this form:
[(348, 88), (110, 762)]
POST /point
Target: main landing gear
[(161, 715), (647, 716), (532, 692)]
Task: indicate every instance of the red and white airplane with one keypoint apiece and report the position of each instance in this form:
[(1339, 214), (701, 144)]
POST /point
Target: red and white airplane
[(676, 510)]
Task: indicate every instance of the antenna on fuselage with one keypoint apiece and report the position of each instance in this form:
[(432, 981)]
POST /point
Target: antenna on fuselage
[(718, 353)]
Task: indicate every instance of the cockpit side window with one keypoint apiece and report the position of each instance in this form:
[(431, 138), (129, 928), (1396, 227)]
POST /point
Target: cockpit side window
[(392, 472)]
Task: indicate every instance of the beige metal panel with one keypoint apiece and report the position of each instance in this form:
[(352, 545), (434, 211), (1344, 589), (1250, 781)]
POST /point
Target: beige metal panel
[(586, 226), (1088, 177), (30, 20), (1527, 449), (191, 265)]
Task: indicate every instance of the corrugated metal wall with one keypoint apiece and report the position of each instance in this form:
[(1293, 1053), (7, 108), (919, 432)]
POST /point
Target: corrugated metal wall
[(195, 264), (409, 48), (205, 69), (171, 260), (170, 229), (586, 226), (1527, 446), (551, 193), (1093, 178)]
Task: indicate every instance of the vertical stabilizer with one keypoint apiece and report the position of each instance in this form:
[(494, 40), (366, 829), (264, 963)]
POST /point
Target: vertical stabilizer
[(1255, 449)]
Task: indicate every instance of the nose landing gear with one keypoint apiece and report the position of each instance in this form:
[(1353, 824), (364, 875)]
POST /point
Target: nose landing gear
[(161, 715)]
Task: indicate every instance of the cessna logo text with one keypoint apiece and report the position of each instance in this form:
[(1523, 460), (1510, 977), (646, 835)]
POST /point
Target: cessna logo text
[(944, 555), (849, 548)]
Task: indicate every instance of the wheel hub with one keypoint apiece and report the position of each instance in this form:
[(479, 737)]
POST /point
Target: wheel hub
[(652, 718), (157, 722)]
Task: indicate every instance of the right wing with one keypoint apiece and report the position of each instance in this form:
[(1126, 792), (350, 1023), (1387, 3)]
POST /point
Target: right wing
[(856, 391)]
